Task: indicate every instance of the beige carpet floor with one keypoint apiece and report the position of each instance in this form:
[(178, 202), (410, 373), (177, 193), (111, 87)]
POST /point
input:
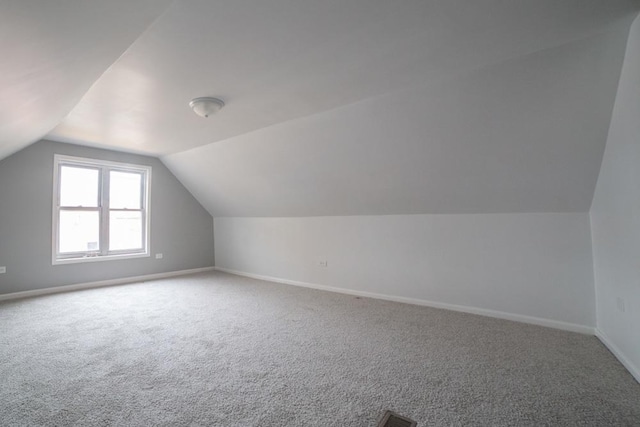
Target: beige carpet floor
[(218, 350)]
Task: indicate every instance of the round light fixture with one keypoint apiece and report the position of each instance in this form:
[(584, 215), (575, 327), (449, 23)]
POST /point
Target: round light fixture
[(206, 106)]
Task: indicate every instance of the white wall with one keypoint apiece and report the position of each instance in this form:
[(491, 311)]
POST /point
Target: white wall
[(615, 218), (536, 265)]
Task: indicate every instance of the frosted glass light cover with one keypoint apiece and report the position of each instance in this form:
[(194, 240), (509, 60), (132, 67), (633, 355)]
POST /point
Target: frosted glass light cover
[(206, 106)]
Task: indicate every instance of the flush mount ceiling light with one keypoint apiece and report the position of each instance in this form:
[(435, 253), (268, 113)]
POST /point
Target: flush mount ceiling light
[(206, 106)]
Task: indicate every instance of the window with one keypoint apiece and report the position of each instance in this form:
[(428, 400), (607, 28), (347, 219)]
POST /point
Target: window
[(100, 210)]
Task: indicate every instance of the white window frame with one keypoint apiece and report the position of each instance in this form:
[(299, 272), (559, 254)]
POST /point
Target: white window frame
[(103, 208)]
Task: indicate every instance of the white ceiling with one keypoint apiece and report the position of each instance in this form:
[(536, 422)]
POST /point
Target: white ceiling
[(53, 51), (525, 135), (277, 60), (337, 106)]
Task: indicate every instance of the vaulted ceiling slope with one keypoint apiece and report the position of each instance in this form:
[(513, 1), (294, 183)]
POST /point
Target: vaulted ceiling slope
[(342, 107), (487, 127), (523, 135), (53, 51), (278, 60)]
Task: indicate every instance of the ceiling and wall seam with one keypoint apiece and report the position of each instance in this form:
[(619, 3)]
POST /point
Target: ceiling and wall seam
[(613, 106), (466, 73), (339, 108), (70, 46)]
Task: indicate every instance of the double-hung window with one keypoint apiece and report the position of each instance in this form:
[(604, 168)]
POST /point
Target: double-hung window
[(100, 210)]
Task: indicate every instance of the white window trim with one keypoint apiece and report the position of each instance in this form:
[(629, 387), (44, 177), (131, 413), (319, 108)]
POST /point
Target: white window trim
[(59, 159)]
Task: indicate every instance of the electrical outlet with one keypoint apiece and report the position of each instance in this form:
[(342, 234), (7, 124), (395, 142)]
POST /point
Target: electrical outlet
[(323, 263), (620, 304), (159, 256), (3, 270)]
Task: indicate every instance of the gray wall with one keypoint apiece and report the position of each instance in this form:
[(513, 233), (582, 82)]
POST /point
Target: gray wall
[(536, 265), (181, 228), (615, 217)]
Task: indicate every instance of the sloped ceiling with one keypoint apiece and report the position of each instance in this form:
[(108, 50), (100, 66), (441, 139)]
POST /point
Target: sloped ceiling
[(524, 135), (53, 51), (342, 107)]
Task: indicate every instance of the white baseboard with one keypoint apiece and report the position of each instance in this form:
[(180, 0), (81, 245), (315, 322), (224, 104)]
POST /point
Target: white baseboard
[(618, 354), (99, 284), (461, 308)]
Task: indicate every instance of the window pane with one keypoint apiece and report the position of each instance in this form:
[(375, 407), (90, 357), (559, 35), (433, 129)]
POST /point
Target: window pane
[(125, 230), (78, 187), (124, 190), (79, 231)]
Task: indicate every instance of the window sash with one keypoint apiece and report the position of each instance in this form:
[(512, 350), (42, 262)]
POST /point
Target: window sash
[(103, 208), (59, 192), (143, 227), (75, 254)]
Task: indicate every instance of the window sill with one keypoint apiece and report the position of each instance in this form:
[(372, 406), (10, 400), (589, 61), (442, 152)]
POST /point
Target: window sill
[(61, 261)]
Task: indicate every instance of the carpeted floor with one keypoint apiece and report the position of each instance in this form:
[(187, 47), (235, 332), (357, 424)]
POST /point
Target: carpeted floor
[(219, 350)]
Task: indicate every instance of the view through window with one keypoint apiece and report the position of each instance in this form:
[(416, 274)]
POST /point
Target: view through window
[(100, 209)]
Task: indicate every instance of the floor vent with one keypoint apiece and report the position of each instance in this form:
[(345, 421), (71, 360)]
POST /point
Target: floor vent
[(391, 419)]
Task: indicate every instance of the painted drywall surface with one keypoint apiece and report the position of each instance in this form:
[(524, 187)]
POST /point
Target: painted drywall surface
[(181, 229), (525, 135), (615, 215), (291, 62), (528, 264), (53, 52)]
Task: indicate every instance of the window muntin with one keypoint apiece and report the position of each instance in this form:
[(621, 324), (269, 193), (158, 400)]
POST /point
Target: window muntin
[(100, 210)]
